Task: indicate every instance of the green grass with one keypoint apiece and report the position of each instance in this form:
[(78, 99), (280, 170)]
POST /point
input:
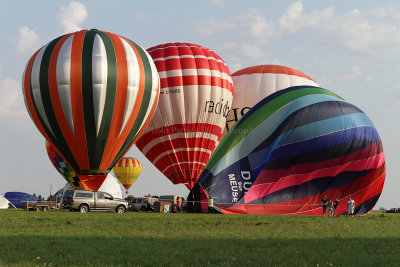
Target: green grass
[(62, 238)]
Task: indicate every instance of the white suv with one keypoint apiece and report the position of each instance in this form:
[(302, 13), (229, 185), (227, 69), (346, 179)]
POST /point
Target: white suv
[(140, 203)]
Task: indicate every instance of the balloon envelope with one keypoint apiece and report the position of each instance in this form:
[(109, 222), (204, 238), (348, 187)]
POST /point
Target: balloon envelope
[(253, 84), (195, 97), (292, 148), (127, 170), (91, 94)]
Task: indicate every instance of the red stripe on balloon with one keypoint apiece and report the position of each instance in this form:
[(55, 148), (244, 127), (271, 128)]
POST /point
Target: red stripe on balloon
[(360, 190), (275, 69), (171, 145)]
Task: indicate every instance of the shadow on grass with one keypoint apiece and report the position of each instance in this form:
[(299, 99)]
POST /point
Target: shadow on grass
[(31, 250)]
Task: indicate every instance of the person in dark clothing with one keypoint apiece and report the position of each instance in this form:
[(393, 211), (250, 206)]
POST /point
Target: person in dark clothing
[(330, 207), (335, 204), (324, 203)]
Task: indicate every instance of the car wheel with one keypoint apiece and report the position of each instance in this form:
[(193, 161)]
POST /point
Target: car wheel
[(143, 208), (38, 209), (120, 209), (83, 208), (45, 209)]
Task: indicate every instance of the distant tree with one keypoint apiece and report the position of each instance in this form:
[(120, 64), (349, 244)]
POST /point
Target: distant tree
[(382, 208), (129, 198), (34, 195)]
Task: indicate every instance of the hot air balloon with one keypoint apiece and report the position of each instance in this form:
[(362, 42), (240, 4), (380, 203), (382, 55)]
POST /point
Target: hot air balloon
[(62, 167), (195, 97), (252, 84), (291, 149), (127, 170), (91, 94)]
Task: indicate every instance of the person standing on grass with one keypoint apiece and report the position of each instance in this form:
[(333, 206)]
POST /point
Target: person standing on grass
[(148, 202), (330, 207), (178, 204), (183, 205), (350, 207), (210, 205), (335, 204), (324, 202)]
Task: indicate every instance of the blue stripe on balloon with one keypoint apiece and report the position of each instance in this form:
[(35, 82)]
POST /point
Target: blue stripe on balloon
[(335, 138), (324, 127)]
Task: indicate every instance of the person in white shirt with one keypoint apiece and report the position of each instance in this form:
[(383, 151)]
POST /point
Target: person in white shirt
[(350, 207)]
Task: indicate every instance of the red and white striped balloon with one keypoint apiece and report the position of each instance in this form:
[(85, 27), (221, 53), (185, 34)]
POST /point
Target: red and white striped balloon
[(195, 98)]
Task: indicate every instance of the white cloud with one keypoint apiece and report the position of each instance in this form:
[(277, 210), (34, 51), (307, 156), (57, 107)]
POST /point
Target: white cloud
[(386, 13), (11, 100), (212, 26), (351, 31), (28, 40), (251, 27), (252, 51), (356, 70), (294, 19), (217, 2), (72, 16)]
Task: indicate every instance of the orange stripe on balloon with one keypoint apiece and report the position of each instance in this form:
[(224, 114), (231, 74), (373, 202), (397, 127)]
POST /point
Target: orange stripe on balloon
[(79, 147), (125, 132), (114, 144)]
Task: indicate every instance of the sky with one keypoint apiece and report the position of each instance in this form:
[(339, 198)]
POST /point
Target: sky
[(349, 47)]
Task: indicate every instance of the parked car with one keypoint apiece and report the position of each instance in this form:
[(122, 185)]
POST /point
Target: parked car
[(393, 210), (84, 201), (140, 203)]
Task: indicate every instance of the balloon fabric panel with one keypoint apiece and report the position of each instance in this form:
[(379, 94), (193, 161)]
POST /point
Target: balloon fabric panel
[(62, 167)]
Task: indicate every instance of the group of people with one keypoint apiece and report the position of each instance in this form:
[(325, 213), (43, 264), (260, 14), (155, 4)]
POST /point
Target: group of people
[(329, 207), (178, 205)]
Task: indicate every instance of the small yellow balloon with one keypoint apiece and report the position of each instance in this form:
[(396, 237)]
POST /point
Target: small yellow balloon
[(127, 171)]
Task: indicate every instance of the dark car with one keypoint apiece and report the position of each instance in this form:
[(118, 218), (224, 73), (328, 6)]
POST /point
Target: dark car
[(392, 210)]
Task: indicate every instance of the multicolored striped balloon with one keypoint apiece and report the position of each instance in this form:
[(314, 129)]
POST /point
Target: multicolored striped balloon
[(291, 149), (62, 167), (127, 171), (253, 84), (195, 98), (91, 94)]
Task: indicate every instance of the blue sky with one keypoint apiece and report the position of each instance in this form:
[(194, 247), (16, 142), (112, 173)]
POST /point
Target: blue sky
[(348, 47)]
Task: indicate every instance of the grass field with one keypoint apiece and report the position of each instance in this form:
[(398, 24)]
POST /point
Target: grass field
[(62, 238)]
